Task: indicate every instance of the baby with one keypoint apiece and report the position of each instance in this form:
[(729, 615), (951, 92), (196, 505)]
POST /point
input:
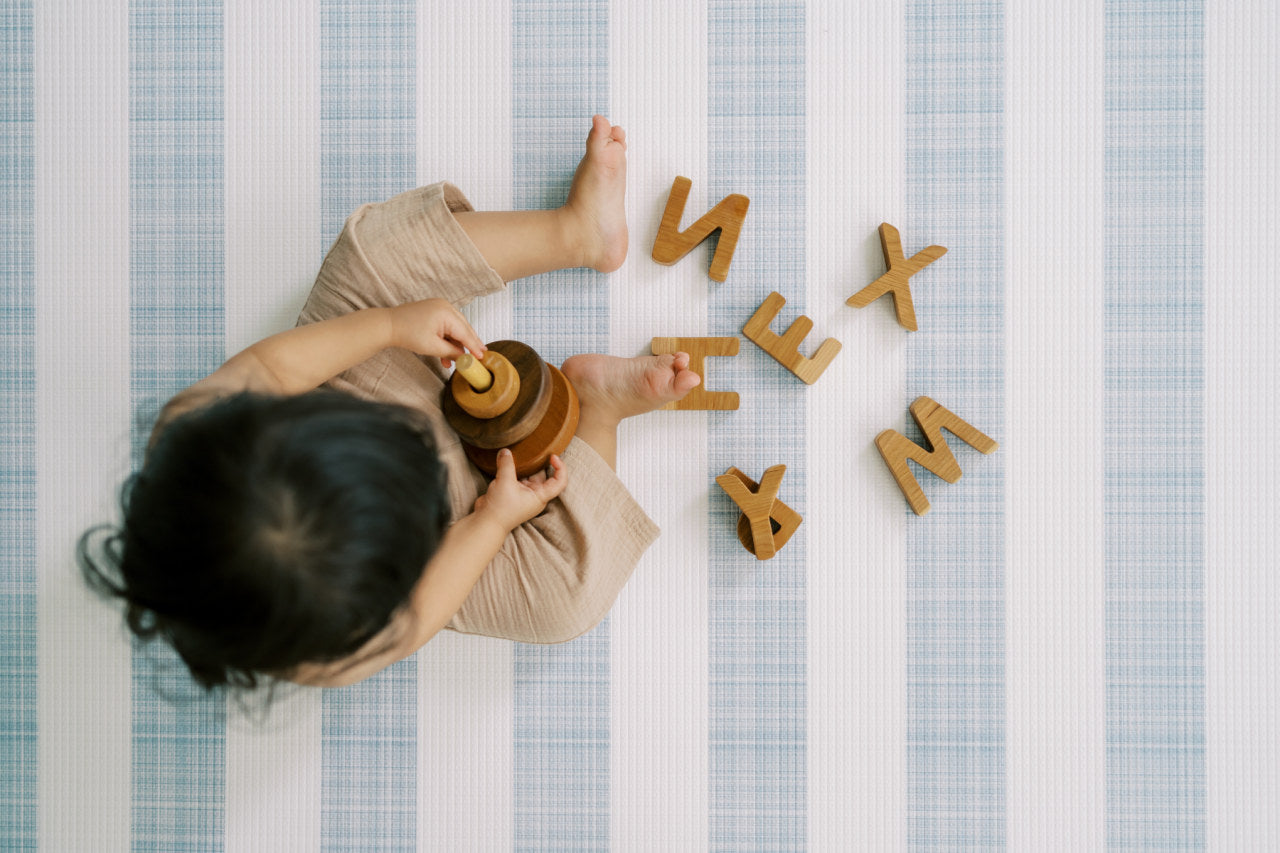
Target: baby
[(305, 513)]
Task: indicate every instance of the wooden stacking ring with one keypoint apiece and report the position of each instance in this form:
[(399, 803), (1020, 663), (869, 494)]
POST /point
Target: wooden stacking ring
[(553, 433), (502, 391), (523, 416)]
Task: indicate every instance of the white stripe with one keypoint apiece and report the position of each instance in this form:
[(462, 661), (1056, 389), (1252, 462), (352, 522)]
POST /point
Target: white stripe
[(1242, 465), (857, 782), (659, 758), (1056, 629), (466, 704), (464, 117), (82, 292), (273, 248)]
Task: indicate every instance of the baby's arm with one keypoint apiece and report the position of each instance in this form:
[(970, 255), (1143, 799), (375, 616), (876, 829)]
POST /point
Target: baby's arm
[(468, 547), (302, 358)]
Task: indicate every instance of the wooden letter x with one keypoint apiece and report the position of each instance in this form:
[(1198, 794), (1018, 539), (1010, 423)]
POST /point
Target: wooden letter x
[(932, 418), (672, 244), (756, 506), (698, 349), (895, 281), (786, 349)]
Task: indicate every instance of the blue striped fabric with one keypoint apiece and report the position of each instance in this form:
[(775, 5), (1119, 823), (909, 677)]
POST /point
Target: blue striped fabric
[(18, 676), (1153, 417), (560, 77), (176, 328), (368, 153), (954, 587), (757, 690)]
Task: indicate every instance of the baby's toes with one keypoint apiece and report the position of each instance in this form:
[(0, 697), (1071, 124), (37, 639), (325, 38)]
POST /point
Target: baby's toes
[(685, 381)]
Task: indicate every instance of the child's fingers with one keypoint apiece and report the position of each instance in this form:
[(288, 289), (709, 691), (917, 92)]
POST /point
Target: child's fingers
[(552, 486), (456, 349), (506, 465), (458, 331), (534, 479)]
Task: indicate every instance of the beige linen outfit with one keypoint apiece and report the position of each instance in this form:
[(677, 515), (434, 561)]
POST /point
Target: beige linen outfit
[(557, 574)]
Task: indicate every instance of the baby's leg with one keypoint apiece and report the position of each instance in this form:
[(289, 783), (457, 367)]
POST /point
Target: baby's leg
[(611, 389), (590, 230)]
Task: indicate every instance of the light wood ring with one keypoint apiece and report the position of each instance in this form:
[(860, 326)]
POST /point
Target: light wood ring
[(552, 435), (501, 394)]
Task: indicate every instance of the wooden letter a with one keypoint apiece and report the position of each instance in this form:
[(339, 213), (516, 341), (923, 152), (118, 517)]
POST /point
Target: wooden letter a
[(672, 244), (932, 418)]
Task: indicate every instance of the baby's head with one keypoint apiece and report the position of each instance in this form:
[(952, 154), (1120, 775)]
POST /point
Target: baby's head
[(265, 532)]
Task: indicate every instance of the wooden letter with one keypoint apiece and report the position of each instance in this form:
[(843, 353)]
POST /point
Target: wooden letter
[(932, 418), (786, 349), (783, 520), (895, 281), (756, 506), (699, 348), (672, 244)]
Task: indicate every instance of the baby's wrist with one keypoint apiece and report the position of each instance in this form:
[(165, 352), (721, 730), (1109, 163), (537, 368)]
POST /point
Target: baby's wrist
[(490, 521), (391, 325)]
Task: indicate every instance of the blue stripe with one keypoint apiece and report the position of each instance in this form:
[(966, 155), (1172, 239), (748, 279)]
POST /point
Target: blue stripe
[(368, 153), (18, 665), (560, 77), (955, 555), (1153, 419), (176, 329), (757, 645)]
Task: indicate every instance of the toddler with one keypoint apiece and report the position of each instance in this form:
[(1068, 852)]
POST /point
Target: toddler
[(305, 513)]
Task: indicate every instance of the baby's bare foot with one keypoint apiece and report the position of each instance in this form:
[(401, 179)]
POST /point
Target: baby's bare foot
[(612, 388), (596, 198)]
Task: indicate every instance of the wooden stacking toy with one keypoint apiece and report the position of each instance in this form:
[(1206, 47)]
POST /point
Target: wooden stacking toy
[(510, 398)]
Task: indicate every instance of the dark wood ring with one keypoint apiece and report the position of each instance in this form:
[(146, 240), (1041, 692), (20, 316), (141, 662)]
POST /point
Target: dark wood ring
[(526, 412)]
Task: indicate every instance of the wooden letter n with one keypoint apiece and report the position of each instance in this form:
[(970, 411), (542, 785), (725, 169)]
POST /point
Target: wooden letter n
[(672, 244)]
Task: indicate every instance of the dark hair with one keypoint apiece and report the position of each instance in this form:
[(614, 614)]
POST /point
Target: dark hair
[(265, 532)]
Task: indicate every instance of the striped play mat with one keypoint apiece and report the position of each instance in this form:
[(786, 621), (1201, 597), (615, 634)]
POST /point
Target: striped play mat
[(1077, 648)]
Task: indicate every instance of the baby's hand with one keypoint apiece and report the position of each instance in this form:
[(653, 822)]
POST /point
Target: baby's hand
[(434, 327), (511, 502)]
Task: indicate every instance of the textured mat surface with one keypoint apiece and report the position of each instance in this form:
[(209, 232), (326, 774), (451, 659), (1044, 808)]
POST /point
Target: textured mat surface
[(1076, 648)]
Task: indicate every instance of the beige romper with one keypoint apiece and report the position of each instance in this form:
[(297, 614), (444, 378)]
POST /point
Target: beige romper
[(557, 574)]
